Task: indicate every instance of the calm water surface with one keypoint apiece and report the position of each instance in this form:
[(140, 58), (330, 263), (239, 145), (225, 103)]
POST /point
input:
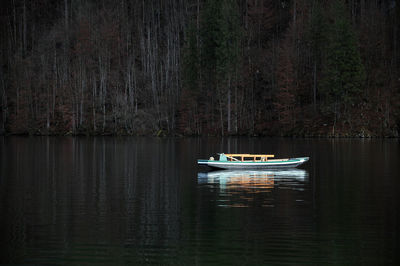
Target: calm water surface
[(129, 200)]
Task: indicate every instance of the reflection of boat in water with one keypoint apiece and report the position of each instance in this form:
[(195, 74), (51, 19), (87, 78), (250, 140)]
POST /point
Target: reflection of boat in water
[(222, 174), (240, 188), (251, 161), (253, 178)]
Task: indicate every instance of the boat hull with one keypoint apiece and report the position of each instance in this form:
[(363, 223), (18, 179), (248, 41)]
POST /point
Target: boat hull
[(233, 165)]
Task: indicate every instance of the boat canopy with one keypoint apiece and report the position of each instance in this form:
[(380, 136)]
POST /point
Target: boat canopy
[(244, 157)]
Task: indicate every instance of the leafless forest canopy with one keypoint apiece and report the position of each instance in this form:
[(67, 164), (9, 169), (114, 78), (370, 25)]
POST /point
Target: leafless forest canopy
[(200, 67)]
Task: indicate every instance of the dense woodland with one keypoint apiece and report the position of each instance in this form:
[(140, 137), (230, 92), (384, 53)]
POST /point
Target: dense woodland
[(200, 67)]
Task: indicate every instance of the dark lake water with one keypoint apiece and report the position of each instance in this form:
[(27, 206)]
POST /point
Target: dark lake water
[(110, 200)]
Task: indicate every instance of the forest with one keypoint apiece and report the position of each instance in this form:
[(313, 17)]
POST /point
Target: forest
[(303, 68)]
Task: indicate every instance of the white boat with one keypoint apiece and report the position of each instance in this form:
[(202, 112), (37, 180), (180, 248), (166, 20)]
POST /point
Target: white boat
[(251, 161)]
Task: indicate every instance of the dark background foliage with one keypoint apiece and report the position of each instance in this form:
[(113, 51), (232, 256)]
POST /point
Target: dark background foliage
[(204, 67)]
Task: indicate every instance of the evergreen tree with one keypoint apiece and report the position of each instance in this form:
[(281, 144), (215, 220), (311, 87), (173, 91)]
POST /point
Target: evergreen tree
[(227, 53), (188, 106), (191, 60), (227, 49), (220, 38), (343, 72), (317, 39), (285, 98), (209, 33)]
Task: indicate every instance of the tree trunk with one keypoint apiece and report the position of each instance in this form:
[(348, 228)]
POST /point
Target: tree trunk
[(229, 105), (3, 99), (55, 81), (15, 25), (94, 104), (236, 106), (66, 15), (221, 117), (48, 109), (315, 87), (24, 31)]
